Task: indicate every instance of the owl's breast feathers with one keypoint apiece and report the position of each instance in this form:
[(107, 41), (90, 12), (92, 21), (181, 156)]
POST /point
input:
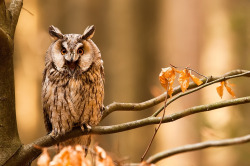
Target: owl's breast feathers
[(70, 101)]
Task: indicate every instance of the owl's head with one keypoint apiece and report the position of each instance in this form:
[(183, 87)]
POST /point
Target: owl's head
[(73, 52)]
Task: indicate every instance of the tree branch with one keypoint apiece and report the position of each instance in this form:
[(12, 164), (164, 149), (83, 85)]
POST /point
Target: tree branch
[(152, 102), (192, 147), (29, 152)]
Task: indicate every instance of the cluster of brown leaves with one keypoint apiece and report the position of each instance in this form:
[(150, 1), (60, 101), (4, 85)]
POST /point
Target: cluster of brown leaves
[(75, 156), (168, 75), (225, 84)]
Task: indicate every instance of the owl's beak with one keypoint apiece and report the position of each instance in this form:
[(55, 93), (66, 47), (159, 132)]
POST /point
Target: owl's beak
[(71, 66)]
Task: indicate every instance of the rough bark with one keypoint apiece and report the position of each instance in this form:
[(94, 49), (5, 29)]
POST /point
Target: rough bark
[(9, 140)]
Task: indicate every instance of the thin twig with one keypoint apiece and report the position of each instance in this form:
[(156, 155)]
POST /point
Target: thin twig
[(154, 101), (198, 146), (188, 68), (198, 88), (156, 129), (28, 11)]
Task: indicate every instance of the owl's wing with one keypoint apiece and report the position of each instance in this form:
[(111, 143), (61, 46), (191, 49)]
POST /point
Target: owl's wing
[(102, 73), (103, 79), (47, 122)]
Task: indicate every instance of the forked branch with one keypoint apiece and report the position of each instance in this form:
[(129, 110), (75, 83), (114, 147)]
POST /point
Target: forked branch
[(152, 102), (29, 152)]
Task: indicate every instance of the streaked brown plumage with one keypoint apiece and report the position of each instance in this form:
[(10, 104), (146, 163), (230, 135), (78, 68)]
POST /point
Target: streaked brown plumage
[(73, 84)]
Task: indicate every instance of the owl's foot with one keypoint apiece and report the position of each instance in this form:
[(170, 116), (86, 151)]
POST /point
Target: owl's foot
[(85, 127), (55, 133)]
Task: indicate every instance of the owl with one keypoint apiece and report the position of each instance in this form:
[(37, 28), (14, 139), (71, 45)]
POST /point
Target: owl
[(73, 84)]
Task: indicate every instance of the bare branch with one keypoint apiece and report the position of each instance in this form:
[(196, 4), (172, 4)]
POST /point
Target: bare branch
[(28, 152), (198, 146), (159, 125), (169, 118), (133, 106), (152, 102)]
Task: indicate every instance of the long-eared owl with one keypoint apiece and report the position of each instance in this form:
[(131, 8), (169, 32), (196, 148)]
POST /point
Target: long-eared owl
[(73, 83)]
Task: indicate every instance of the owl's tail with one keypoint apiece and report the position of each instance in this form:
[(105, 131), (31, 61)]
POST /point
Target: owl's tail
[(82, 140)]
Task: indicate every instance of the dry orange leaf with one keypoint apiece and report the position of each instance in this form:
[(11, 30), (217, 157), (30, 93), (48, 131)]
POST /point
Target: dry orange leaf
[(75, 156), (221, 87), (167, 77), (196, 80), (230, 91), (102, 159), (184, 79), (44, 159), (68, 156)]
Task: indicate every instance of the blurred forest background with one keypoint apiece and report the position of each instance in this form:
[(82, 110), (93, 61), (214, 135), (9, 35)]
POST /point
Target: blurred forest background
[(136, 39)]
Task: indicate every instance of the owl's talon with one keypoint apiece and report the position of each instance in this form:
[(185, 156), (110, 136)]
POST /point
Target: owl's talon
[(85, 127), (53, 135)]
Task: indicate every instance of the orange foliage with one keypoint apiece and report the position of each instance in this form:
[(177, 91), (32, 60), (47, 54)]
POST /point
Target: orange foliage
[(75, 156), (44, 159), (167, 77), (220, 88), (102, 159), (184, 79)]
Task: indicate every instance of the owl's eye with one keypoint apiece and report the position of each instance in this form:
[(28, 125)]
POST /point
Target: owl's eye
[(80, 51), (63, 51)]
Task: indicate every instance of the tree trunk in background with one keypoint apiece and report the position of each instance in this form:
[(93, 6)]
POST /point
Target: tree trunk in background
[(217, 48), (28, 58), (179, 44), (130, 69), (239, 15)]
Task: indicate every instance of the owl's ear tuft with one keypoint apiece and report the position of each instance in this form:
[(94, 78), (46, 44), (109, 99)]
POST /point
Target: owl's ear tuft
[(55, 32), (89, 32)]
